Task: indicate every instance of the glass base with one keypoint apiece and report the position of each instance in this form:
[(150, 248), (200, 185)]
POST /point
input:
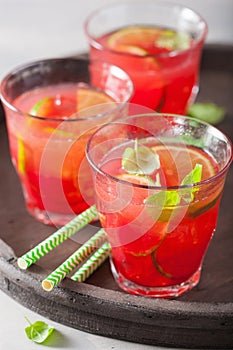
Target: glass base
[(167, 292), (52, 219)]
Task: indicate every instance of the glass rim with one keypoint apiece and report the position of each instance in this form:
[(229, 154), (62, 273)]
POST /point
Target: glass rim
[(153, 187), (20, 68), (93, 41)]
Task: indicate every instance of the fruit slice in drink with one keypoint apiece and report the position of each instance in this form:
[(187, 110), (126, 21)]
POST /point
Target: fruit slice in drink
[(167, 250), (157, 59), (49, 134)]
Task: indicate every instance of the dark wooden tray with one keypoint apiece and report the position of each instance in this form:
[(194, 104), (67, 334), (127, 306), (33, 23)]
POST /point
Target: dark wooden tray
[(202, 318)]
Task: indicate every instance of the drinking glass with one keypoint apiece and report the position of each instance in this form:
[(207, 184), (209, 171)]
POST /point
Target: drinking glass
[(52, 106), (158, 181), (158, 44)]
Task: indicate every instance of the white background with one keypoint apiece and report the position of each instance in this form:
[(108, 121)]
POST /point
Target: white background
[(33, 29)]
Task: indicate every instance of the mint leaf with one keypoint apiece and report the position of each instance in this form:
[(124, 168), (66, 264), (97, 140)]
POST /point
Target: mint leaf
[(140, 160), (169, 199), (164, 199), (193, 177), (182, 41), (38, 331), (208, 112), (147, 160), (172, 40), (129, 162), (161, 205)]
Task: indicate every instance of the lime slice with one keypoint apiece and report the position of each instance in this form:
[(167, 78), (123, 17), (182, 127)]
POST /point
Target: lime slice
[(132, 49), (195, 210), (88, 97), (174, 158), (48, 107), (136, 40), (158, 267), (136, 179), (139, 36), (42, 107), (59, 106), (64, 107), (21, 157)]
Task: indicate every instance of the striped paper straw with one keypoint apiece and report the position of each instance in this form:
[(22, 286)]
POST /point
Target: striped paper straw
[(57, 238), (75, 259), (92, 263)]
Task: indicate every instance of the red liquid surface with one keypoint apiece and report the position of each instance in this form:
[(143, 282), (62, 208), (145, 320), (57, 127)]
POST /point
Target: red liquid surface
[(164, 81), (48, 154), (157, 247)]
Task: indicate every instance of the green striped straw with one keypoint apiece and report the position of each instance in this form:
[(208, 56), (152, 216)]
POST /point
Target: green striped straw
[(74, 260), (92, 263), (57, 238)]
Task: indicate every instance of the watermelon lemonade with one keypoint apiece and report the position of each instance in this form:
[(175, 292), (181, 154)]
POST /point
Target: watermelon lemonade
[(52, 107), (158, 44), (158, 185)]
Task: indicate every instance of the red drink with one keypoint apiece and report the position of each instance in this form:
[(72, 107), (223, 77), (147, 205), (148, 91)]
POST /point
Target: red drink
[(157, 45), (159, 223), (52, 107), (63, 150), (159, 256), (163, 82)]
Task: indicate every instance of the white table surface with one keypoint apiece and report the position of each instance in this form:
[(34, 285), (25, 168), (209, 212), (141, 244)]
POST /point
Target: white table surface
[(13, 337), (34, 29)]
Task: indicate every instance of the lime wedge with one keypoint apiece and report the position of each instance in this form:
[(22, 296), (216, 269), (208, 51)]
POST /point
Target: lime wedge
[(135, 40), (133, 36), (21, 157), (40, 109), (137, 179)]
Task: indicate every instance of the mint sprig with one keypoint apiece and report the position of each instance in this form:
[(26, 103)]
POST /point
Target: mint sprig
[(193, 177), (38, 331), (140, 160), (169, 199), (164, 199), (172, 40)]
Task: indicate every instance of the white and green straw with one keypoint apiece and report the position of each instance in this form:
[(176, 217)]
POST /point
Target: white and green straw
[(57, 238), (74, 260), (92, 263)]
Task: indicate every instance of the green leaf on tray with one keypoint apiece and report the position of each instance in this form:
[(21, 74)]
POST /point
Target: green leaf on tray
[(140, 160), (38, 331), (208, 112)]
